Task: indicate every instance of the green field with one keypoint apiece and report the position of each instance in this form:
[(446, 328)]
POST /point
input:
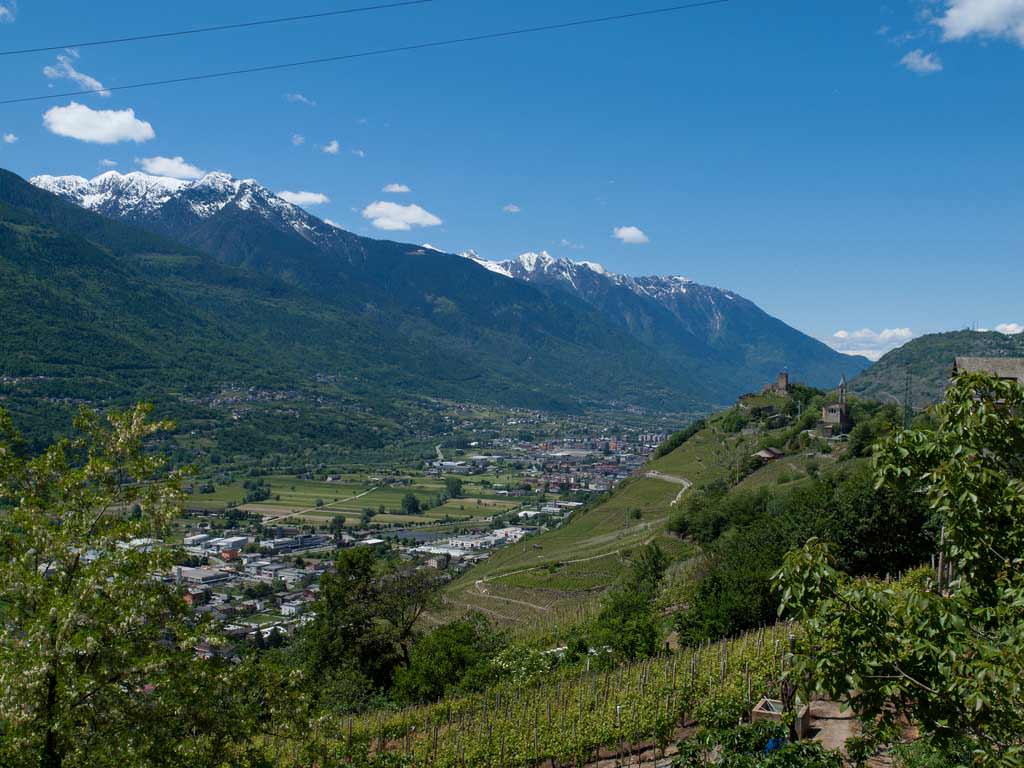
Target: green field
[(318, 502)]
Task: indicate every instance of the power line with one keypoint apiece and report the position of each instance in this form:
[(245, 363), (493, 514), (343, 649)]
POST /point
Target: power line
[(218, 28), (377, 52)]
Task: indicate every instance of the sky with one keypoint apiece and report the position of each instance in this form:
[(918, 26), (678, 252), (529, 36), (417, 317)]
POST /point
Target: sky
[(854, 168)]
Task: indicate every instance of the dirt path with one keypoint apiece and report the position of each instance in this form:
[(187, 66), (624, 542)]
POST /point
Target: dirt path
[(539, 567), (672, 479), (481, 589)]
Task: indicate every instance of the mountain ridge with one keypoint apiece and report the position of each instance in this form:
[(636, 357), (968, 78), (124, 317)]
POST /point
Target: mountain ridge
[(929, 361), (714, 343)]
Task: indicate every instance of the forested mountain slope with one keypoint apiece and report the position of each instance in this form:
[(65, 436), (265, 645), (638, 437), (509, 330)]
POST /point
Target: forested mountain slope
[(928, 361)]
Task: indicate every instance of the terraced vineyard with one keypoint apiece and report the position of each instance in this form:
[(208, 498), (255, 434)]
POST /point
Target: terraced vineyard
[(567, 570), (572, 716)]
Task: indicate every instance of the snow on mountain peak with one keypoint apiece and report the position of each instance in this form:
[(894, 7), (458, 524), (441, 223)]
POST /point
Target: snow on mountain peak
[(531, 261), (493, 266), (113, 191)]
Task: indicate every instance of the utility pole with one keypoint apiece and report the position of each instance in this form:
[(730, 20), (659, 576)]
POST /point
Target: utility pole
[(908, 408)]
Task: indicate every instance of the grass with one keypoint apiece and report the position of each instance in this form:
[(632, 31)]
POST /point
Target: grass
[(351, 496)]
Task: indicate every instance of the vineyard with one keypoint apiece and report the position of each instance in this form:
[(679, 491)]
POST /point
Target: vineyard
[(572, 716)]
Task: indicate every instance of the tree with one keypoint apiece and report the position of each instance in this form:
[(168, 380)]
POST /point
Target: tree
[(453, 487), (337, 527), (365, 619), (345, 634), (627, 622), (96, 659), (455, 656), (410, 505), (945, 648)]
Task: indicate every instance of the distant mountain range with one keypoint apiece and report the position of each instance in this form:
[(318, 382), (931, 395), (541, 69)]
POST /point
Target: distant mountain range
[(929, 362), (262, 290), (733, 339)]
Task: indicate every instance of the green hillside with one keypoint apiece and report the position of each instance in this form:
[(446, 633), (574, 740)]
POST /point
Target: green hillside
[(99, 312), (929, 361), (554, 578)]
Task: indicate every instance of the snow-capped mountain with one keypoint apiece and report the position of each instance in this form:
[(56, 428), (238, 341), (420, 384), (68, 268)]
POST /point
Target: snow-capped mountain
[(173, 206), (591, 281), (724, 340), (683, 318)]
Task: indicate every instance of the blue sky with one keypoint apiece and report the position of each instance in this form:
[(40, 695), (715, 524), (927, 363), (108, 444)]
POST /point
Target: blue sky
[(848, 166)]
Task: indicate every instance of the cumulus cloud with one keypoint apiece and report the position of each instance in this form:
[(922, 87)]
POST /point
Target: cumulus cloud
[(8, 11), (99, 126), (331, 148), (65, 69), (175, 167), (105, 163), (1011, 329), (304, 198), (630, 235), (922, 63), (512, 208), (358, 153), (567, 243), (395, 217), (868, 343), (10, 138), (298, 98), (298, 139), (397, 189), (984, 18)]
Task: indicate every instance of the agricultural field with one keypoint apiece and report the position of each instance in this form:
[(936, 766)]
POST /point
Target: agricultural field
[(317, 501)]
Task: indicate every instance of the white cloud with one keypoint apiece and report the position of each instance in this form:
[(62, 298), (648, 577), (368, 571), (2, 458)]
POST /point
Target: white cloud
[(332, 147), (395, 217), (298, 98), (512, 208), (108, 163), (175, 167), (868, 343), (922, 63), (298, 139), (1011, 329), (631, 235), (65, 69), (100, 126), (10, 138), (397, 189), (985, 18), (304, 198), (567, 243), (358, 153), (8, 11)]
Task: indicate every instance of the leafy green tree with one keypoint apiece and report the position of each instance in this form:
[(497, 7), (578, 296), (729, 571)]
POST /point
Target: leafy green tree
[(364, 626), (453, 657), (96, 659), (627, 622), (411, 505), (453, 487), (345, 635), (947, 649)]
